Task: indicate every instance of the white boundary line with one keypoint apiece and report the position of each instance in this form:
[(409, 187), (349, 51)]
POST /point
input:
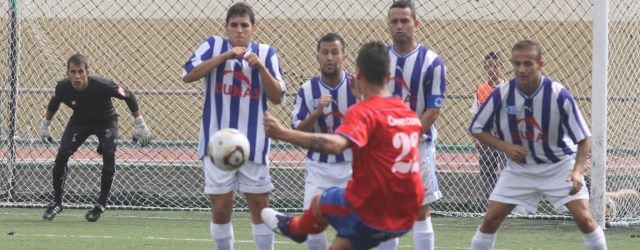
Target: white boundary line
[(129, 238)]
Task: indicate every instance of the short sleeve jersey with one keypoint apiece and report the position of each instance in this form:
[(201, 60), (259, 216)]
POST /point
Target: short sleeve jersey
[(385, 189)]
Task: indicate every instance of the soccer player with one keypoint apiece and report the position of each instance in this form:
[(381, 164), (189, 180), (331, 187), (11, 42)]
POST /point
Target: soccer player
[(383, 196), (240, 76), (537, 124), (319, 108), (418, 77), (93, 114), (491, 160)]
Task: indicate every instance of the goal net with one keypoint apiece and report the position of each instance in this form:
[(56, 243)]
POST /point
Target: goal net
[(143, 45)]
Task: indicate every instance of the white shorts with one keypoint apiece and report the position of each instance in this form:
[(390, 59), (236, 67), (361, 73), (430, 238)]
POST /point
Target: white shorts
[(525, 185), (428, 172), (250, 178), (320, 176)]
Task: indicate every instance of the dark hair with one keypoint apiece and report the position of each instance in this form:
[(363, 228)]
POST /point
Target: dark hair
[(78, 59), (528, 45), (331, 37), (493, 56), (403, 4), (241, 9), (373, 62)]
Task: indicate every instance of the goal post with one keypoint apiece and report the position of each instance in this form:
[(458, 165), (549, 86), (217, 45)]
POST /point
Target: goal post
[(599, 104)]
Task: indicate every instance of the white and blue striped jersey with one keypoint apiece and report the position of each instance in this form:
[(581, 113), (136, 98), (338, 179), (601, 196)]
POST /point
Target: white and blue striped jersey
[(547, 123), (307, 101), (419, 79), (234, 96)]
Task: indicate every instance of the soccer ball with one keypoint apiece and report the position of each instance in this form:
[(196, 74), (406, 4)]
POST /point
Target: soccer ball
[(228, 149)]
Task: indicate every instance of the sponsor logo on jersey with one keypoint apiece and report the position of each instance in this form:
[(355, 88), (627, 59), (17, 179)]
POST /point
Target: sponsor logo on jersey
[(399, 81), (535, 135), (245, 90), (239, 76)]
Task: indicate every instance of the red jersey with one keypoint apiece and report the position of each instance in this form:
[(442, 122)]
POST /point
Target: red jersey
[(385, 189)]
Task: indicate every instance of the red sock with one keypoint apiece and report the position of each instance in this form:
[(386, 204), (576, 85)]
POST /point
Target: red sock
[(306, 224)]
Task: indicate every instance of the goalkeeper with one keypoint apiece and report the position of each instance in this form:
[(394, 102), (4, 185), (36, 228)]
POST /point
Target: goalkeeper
[(93, 114)]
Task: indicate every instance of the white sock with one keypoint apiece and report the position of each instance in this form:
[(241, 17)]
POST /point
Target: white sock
[(595, 240), (222, 235), (317, 241), (423, 236), (391, 244), (262, 236), (482, 241)]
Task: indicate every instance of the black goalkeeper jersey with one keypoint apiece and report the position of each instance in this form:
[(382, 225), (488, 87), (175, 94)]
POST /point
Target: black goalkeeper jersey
[(93, 106)]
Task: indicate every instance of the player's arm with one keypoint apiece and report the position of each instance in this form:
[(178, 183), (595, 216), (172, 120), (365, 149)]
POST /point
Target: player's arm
[(206, 66), (483, 123), (514, 152), (574, 124), (580, 165), (141, 132), (52, 108), (124, 94), (270, 75), (438, 87), (428, 118), (308, 122), (323, 143)]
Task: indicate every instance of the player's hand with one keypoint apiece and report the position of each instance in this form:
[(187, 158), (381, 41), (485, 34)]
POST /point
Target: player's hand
[(272, 126), (45, 131), (252, 59), (515, 152), (236, 52), (576, 178), (141, 132), (324, 102)]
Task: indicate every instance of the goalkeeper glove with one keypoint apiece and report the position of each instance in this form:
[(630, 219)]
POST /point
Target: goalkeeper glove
[(141, 133), (45, 131)]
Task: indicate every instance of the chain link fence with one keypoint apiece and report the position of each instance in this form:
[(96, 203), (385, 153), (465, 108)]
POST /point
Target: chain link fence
[(143, 45)]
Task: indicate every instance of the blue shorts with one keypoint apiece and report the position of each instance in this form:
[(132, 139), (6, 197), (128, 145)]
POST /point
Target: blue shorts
[(339, 213)]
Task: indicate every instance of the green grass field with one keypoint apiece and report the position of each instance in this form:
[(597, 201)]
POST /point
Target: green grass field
[(120, 229)]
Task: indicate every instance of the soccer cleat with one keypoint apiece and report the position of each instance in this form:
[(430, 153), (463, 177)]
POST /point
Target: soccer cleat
[(94, 214), (279, 223), (52, 210)]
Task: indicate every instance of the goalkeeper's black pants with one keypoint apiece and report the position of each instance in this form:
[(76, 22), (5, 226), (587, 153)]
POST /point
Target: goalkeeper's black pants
[(72, 138)]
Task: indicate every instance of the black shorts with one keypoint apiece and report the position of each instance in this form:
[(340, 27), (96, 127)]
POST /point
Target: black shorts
[(75, 134)]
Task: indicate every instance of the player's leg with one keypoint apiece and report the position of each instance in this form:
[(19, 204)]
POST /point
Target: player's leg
[(313, 185), (340, 243), (221, 228), (107, 148), (512, 189), (594, 238), (255, 182), (391, 244), (72, 137), (557, 191), (365, 237), (219, 185), (485, 236), (313, 220), (319, 177), (423, 233)]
